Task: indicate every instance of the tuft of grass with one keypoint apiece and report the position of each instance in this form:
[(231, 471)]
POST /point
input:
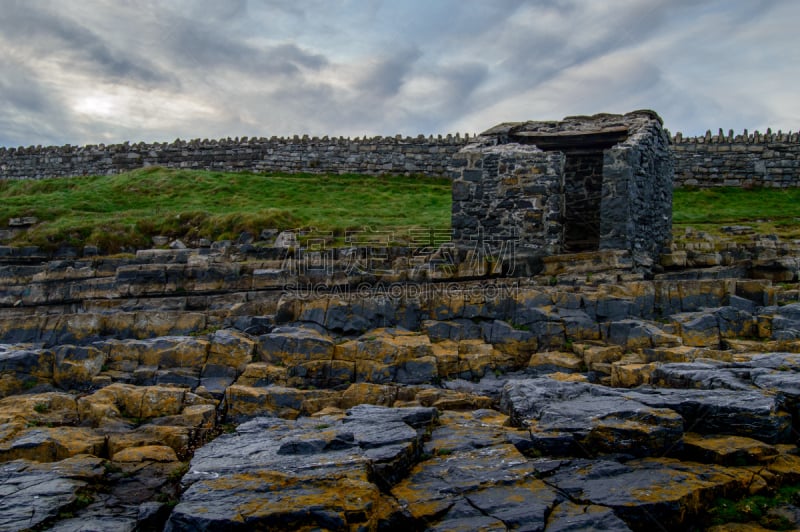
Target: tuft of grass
[(111, 468), (124, 211), (176, 474), (756, 509)]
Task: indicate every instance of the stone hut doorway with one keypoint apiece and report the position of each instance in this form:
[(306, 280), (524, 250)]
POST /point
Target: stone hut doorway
[(523, 191), (582, 183), (583, 189)]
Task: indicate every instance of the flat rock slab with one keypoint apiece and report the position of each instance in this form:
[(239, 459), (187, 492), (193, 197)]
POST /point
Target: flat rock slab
[(321, 472), (705, 375), (571, 517), (576, 418), (753, 414), (772, 374), (467, 431), (95, 524), (650, 493), (726, 450), (34, 494), (494, 487)]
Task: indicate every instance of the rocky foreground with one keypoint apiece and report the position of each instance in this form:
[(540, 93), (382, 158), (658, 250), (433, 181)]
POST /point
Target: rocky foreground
[(192, 390)]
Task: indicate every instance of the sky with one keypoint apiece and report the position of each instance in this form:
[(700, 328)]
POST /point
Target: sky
[(94, 71)]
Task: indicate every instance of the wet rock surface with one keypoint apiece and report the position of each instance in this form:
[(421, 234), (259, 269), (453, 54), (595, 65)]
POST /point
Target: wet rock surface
[(183, 390), (323, 472)]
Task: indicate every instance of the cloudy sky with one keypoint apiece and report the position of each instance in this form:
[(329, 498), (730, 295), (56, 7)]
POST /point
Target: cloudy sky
[(94, 71)]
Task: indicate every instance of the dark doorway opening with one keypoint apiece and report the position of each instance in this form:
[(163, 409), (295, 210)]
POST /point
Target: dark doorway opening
[(582, 188)]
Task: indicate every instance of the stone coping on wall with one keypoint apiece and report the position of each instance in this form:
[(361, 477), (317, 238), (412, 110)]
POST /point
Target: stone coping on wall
[(769, 159), (447, 139), (744, 138)]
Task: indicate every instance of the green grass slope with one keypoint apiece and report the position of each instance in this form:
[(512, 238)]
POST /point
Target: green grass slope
[(767, 210), (125, 211)]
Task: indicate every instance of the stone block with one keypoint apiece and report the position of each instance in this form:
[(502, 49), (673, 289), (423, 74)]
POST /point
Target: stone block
[(625, 375)]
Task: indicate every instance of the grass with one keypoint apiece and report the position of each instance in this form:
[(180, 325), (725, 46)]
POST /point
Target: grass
[(767, 210), (177, 473), (123, 212), (756, 509)]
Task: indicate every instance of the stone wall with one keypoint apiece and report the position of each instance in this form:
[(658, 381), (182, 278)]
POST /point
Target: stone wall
[(747, 159), (378, 155), (507, 203), (531, 189), (636, 205)]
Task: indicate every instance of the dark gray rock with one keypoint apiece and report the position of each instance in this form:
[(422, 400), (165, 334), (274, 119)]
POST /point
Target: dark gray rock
[(785, 383), (633, 333), (298, 343), (699, 329), (467, 431), (738, 413), (216, 378), (774, 361), (788, 514), (415, 417), (742, 304), (31, 499), (647, 494), (28, 366), (490, 385), (734, 322), (786, 322), (330, 469), (355, 316), (613, 309), (786, 387), (571, 517), (578, 324), (98, 524), (710, 375), (465, 518), (568, 418), (34, 494), (419, 371), (152, 516), (183, 377), (452, 330), (501, 332), (496, 481)]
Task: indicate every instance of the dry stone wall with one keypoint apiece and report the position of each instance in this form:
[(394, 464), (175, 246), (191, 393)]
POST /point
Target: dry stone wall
[(506, 200), (747, 159), (377, 155)]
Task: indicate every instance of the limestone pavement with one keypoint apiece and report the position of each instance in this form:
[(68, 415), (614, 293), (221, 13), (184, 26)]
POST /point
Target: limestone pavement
[(214, 389)]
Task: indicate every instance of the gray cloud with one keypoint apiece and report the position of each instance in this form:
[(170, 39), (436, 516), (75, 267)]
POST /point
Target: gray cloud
[(147, 70), (25, 25), (386, 77), (197, 45), (29, 114)]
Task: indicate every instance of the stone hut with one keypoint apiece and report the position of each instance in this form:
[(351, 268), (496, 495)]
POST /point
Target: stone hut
[(528, 190)]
